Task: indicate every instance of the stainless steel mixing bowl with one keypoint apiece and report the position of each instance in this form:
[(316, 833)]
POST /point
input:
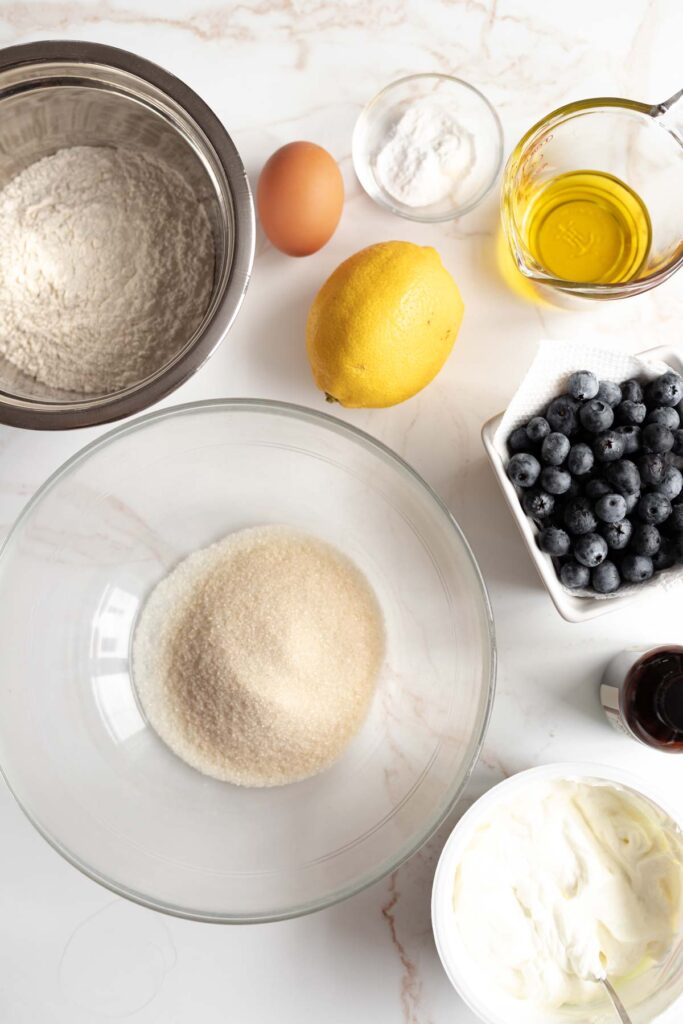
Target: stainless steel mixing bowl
[(57, 94)]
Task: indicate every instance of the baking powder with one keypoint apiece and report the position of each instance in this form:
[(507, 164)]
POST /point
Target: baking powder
[(427, 156)]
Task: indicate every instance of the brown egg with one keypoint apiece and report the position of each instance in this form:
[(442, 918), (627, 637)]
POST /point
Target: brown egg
[(300, 196)]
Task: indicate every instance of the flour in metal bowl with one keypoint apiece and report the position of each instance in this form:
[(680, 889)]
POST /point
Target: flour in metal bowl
[(106, 268)]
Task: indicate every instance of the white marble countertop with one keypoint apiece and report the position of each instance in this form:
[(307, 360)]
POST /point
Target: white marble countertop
[(276, 71)]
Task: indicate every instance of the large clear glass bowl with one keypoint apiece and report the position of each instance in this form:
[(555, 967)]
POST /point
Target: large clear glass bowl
[(76, 750)]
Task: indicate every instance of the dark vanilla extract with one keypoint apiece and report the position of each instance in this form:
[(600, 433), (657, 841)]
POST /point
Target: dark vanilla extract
[(642, 694)]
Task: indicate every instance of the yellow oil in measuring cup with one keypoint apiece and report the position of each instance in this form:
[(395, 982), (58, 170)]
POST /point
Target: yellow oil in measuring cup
[(588, 227), (572, 200)]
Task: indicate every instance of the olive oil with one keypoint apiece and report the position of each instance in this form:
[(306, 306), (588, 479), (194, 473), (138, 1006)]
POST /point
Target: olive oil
[(587, 227)]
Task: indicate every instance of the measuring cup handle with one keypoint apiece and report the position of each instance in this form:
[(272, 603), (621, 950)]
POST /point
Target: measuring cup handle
[(670, 113)]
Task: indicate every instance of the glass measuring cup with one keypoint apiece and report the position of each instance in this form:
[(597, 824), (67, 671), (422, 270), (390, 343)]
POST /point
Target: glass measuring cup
[(641, 147)]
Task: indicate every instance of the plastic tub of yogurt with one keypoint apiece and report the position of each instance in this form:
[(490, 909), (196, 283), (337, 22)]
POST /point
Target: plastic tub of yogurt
[(554, 876)]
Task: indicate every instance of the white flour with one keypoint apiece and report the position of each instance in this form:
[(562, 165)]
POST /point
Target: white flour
[(106, 267), (427, 156)]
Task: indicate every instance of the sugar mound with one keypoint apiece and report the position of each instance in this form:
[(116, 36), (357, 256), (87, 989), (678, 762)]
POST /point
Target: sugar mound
[(256, 658)]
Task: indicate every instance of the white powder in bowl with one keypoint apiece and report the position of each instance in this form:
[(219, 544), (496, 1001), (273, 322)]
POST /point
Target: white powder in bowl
[(256, 659), (428, 156), (106, 268)]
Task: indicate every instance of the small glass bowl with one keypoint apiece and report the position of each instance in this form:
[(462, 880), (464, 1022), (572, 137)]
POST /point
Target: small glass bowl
[(378, 119)]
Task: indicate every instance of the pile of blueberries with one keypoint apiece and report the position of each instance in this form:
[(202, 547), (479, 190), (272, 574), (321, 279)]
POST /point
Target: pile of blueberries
[(600, 474)]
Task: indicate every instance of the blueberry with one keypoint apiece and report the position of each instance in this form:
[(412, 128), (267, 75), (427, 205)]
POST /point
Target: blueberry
[(666, 556), (678, 442), (562, 415), (575, 576), (580, 459), (611, 508), (596, 415), (555, 449), (632, 390), (609, 446), (523, 469), (583, 385), (537, 428), (631, 413), (579, 517), (631, 501), (518, 441), (672, 484), (631, 436), (657, 438), (538, 504), (676, 519), (617, 535), (555, 481), (666, 390), (665, 415), (605, 578), (554, 541), (652, 469), (609, 392), (623, 476), (646, 539), (654, 508), (573, 490), (590, 549), (636, 568), (596, 487)]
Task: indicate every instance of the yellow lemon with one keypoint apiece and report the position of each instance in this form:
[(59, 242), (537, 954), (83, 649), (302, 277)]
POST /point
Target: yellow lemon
[(382, 325)]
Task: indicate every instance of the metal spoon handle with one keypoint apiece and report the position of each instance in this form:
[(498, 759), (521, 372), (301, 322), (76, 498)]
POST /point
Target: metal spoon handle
[(616, 1002), (670, 113)]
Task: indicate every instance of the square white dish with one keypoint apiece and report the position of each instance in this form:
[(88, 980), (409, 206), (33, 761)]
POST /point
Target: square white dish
[(571, 607)]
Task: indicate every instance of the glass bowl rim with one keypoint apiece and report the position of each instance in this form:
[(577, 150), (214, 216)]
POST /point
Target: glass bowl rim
[(378, 448), (402, 210)]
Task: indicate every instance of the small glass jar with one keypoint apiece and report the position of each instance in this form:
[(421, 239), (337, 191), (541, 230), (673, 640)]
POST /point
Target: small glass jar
[(642, 695)]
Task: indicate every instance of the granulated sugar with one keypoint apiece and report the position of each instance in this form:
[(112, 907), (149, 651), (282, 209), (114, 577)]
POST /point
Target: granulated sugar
[(255, 660)]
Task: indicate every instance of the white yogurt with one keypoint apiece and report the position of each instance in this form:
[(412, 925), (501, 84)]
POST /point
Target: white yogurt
[(567, 883)]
